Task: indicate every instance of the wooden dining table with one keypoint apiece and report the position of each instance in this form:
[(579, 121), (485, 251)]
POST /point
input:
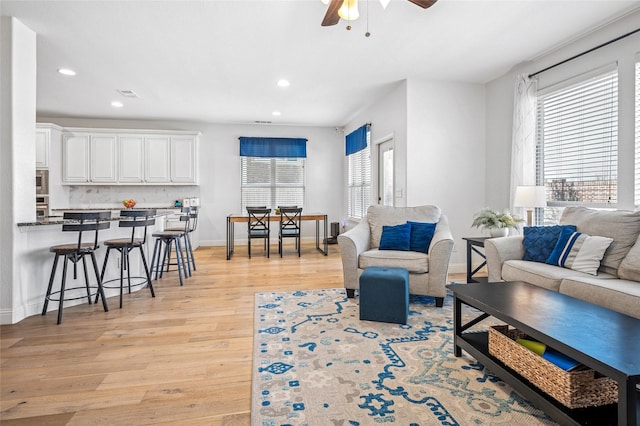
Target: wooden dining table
[(232, 219)]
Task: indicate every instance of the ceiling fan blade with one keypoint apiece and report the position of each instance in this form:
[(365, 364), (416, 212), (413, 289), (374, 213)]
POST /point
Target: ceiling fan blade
[(332, 17), (424, 3)]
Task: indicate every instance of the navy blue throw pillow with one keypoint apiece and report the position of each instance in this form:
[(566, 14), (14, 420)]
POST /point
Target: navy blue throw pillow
[(421, 236), (539, 241), (395, 237)]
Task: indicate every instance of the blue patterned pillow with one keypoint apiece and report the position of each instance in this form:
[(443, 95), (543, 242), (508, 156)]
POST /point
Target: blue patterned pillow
[(539, 241), (395, 237), (421, 236)]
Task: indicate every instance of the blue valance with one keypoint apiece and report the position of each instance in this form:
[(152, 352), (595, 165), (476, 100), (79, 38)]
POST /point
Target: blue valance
[(273, 147), (357, 140)]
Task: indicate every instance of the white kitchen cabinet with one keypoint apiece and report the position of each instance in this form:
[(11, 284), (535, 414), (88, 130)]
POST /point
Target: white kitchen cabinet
[(75, 158), (43, 146), (103, 155), (131, 158), (157, 164), (183, 159)]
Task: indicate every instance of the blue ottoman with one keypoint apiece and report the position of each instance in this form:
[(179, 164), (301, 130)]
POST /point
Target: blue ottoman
[(384, 294)]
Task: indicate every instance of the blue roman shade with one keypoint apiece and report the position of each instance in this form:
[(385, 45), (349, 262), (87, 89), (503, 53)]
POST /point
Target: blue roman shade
[(273, 147), (357, 140)]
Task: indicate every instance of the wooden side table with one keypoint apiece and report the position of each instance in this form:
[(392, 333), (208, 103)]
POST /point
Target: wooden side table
[(472, 247)]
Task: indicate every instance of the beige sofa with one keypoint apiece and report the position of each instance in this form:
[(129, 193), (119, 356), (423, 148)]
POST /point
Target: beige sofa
[(617, 284), (427, 272)]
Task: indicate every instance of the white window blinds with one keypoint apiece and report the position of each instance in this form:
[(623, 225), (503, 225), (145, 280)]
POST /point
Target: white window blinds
[(637, 168), (577, 141), (359, 185), (272, 182)]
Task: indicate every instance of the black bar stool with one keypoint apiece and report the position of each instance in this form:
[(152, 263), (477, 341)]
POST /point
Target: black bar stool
[(166, 240), (130, 219), (74, 252), (188, 228)]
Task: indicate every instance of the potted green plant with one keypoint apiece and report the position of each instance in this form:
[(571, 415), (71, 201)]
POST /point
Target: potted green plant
[(498, 223)]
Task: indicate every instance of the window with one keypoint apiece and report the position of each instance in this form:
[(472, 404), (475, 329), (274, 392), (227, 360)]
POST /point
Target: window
[(359, 185), (637, 168), (272, 181), (577, 141)]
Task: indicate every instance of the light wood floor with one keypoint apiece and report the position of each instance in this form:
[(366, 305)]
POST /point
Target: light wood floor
[(183, 357)]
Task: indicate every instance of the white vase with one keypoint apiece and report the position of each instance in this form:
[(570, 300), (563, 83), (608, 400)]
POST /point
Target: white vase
[(499, 232)]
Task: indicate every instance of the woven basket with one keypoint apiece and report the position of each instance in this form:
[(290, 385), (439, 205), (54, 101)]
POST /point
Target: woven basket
[(574, 389)]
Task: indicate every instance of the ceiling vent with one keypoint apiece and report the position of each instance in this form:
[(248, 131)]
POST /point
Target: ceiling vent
[(128, 93)]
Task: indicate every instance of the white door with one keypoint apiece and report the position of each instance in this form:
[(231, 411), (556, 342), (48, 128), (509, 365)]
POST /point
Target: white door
[(385, 173)]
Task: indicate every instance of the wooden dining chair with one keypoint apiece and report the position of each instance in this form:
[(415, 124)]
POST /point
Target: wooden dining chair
[(290, 221), (258, 226)]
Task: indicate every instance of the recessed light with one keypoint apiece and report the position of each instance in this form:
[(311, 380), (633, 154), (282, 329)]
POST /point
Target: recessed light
[(283, 83), (66, 71), (117, 104), (276, 113)]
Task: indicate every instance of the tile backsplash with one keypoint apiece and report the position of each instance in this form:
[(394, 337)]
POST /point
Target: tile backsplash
[(105, 196)]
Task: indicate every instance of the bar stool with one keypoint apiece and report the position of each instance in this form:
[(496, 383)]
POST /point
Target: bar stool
[(166, 240), (130, 219), (189, 227), (74, 252)]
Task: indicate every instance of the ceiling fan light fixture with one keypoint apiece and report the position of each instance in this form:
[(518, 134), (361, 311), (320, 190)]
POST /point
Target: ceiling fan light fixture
[(384, 3), (349, 10)]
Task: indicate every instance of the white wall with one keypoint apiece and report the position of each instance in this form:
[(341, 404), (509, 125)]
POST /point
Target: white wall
[(446, 154), (388, 117), (219, 170), (500, 104), (17, 147)]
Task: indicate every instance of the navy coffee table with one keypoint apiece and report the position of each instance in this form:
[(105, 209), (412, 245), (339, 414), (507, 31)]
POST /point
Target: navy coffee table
[(602, 339)]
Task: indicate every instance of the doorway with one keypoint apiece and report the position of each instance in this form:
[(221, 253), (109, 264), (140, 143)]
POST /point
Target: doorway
[(385, 173)]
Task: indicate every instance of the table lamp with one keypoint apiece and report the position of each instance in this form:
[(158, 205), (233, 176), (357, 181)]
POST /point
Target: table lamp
[(530, 197)]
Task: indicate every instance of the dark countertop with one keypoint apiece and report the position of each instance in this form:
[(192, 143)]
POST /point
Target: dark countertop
[(58, 220)]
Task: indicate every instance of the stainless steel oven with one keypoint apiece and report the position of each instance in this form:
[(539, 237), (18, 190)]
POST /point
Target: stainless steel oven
[(42, 205), (42, 182)]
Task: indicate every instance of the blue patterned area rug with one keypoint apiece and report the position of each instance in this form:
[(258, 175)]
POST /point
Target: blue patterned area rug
[(316, 363)]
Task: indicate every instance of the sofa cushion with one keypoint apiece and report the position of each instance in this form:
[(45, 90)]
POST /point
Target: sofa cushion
[(396, 237), (539, 241), (629, 268), (622, 226), (578, 251), (540, 274), (617, 294), (378, 216), (412, 261), (421, 236)]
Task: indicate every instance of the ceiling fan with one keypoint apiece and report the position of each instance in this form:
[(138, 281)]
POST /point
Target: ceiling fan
[(333, 15)]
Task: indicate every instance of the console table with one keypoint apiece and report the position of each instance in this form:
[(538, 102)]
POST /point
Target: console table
[(602, 339)]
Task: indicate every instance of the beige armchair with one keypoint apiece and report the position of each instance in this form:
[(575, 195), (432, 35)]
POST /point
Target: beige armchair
[(427, 272)]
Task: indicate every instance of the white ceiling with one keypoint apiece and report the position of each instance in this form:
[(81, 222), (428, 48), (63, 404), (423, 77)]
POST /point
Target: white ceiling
[(218, 61)]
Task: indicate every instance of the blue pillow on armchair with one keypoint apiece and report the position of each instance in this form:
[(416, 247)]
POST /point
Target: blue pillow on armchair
[(395, 237), (539, 241), (421, 236)]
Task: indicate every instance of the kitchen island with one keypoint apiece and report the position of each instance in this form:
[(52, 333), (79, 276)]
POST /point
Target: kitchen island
[(33, 263)]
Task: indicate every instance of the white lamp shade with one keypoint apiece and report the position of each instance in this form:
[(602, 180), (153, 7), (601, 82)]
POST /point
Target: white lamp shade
[(530, 196)]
